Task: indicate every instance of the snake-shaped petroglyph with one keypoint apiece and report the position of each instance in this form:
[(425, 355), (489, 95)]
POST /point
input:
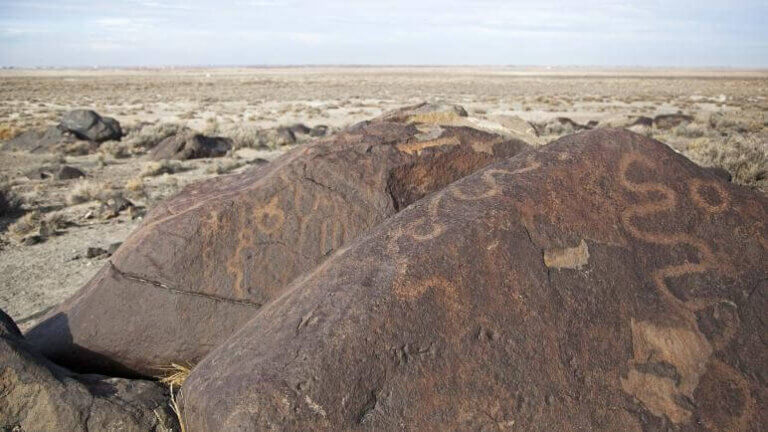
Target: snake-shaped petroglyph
[(689, 350), (430, 227)]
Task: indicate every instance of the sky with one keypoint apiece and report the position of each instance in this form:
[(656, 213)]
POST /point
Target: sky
[(653, 33)]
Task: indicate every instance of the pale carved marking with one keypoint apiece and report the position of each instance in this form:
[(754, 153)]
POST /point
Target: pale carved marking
[(685, 348)]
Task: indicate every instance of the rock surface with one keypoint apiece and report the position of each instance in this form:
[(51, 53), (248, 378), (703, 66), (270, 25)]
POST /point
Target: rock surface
[(39, 396), (603, 283), (185, 146), (205, 261), (89, 125), (66, 172), (39, 141)]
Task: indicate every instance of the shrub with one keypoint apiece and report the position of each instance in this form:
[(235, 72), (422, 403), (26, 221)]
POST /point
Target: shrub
[(224, 167), (745, 158), (690, 130), (135, 187), (249, 136), (27, 224), (77, 148), (148, 136), (35, 222), (116, 149), (86, 190), (156, 168)]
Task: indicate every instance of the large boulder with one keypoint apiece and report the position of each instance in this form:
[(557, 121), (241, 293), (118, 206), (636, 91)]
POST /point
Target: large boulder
[(205, 261), (39, 396), (185, 146), (603, 283), (89, 125), (39, 140)]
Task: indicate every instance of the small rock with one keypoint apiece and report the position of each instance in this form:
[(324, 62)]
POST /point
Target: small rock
[(136, 212), (113, 207), (67, 172), (32, 239), (286, 135), (318, 131), (113, 248), (93, 252), (299, 128)]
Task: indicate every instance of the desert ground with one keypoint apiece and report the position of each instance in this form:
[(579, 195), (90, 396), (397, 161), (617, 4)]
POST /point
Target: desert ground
[(44, 243)]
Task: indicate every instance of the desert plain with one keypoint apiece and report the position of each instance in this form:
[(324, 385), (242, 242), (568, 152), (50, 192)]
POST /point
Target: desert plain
[(56, 231), (728, 128)]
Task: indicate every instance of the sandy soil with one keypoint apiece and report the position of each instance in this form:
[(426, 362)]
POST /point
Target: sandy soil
[(35, 278)]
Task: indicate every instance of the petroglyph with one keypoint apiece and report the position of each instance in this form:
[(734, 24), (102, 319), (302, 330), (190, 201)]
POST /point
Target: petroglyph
[(418, 146), (445, 289), (489, 177), (269, 219), (570, 258), (686, 348), (695, 187)]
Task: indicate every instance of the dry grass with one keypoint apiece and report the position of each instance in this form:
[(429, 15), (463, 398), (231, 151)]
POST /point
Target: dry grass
[(746, 158), (7, 132), (177, 410), (224, 167), (690, 130), (86, 190), (135, 187), (116, 149), (156, 168), (174, 376), (27, 224), (77, 148), (35, 222), (738, 122), (148, 136), (250, 136)]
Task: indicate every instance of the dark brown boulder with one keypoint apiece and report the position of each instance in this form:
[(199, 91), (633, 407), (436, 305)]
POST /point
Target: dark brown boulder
[(185, 146), (205, 261), (668, 121), (89, 125), (603, 283), (39, 396), (39, 140)]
